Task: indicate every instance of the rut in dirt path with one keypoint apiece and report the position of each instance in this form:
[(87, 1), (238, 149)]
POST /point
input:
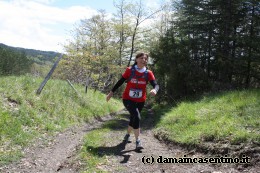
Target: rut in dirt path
[(122, 157), (50, 157)]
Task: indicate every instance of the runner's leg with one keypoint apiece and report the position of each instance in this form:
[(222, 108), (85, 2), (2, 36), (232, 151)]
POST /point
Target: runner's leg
[(134, 109)]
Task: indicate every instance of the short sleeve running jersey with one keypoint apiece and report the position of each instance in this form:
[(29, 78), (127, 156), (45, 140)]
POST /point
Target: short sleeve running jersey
[(136, 88)]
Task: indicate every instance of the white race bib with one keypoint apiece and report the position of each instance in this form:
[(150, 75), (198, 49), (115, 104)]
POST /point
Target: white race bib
[(135, 93)]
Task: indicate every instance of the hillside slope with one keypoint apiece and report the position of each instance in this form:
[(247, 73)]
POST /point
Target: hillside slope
[(25, 116)]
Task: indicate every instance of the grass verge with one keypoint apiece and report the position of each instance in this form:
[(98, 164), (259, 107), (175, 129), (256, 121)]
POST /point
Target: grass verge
[(25, 116), (98, 147), (228, 118)]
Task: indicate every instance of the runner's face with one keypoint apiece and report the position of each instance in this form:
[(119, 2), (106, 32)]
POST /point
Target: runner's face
[(142, 61)]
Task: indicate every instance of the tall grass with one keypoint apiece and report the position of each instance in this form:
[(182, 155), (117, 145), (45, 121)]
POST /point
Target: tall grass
[(229, 117), (24, 116)]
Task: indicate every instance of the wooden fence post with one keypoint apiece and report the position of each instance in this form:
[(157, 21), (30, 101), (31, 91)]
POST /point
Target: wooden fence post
[(48, 76)]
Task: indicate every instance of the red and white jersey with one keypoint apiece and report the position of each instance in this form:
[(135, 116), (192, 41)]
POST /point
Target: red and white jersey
[(136, 88)]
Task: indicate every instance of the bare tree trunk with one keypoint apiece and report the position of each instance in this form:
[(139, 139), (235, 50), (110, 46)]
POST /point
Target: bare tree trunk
[(87, 81), (132, 46), (122, 32), (139, 19), (248, 75), (100, 72)]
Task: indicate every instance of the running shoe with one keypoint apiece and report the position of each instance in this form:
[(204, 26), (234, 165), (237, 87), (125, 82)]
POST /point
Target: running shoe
[(127, 138), (138, 145)]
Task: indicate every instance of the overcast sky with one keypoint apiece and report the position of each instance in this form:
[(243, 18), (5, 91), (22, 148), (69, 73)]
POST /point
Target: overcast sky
[(46, 24)]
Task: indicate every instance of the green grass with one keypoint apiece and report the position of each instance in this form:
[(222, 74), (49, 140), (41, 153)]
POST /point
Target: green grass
[(25, 116), (229, 117), (89, 153), (97, 148)]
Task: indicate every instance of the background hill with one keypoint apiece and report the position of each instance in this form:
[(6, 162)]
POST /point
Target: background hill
[(36, 55), (20, 61)]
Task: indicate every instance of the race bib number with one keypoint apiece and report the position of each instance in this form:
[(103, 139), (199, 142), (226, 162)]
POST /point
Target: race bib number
[(135, 93)]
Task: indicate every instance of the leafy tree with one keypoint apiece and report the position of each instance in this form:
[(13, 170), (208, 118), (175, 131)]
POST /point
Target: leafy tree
[(213, 43), (91, 56), (102, 45), (13, 62)]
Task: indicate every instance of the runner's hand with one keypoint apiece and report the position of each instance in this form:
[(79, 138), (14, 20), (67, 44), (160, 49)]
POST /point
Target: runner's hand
[(153, 92), (109, 95)]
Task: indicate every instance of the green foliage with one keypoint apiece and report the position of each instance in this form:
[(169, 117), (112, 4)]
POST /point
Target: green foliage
[(19, 61), (91, 61), (24, 116), (177, 75), (89, 153), (102, 46), (13, 62), (208, 47), (229, 117)]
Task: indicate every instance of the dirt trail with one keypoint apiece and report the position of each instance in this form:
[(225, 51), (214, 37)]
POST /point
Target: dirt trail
[(58, 155), (49, 155)]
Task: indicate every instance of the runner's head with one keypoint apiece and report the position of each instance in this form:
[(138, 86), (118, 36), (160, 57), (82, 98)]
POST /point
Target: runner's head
[(141, 59)]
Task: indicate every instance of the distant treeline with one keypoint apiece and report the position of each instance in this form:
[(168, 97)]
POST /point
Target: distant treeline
[(35, 55), (18, 61), (13, 62)]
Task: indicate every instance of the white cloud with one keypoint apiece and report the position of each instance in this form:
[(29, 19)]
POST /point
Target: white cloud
[(153, 4), (37, 25)]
